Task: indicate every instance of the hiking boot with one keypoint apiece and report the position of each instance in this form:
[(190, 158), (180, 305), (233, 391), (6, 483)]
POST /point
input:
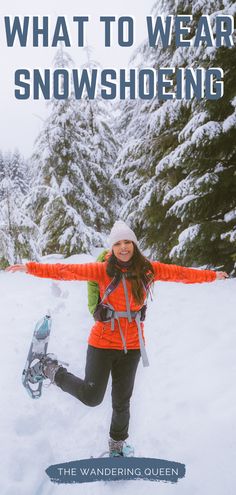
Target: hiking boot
[(119, 448), (50, 367), (115, 447), (44, 368)]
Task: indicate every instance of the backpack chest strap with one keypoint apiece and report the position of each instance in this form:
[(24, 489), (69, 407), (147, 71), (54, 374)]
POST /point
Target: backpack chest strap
[(130, 315), (116, 315)]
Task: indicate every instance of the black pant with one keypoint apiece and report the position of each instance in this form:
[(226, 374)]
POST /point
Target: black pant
[(91, 390)]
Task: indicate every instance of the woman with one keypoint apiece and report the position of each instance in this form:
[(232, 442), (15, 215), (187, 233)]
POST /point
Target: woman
[(116, 341)]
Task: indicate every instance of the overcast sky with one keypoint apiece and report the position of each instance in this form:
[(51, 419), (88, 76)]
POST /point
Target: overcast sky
[(21, 120)]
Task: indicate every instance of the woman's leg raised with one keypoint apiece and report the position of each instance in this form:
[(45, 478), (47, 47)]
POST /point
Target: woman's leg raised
[(91, 390)]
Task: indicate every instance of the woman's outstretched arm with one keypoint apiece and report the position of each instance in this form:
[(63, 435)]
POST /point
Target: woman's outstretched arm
[(176, 273), (16, 268), (60, 271)]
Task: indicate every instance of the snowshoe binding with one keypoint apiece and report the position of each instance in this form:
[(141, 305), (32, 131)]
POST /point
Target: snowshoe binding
[(44, 368)]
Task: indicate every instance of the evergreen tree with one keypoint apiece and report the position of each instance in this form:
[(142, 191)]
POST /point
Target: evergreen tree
[(102, 149), (1, 170), (183, 189), (63, 200), (17, 231)]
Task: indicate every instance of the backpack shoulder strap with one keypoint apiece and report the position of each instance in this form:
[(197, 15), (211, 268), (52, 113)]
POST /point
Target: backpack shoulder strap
[(93, 289)]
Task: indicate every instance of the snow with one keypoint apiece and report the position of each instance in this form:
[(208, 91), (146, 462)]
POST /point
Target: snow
[(207, 131), (190, 127), (183, 406), (178, 207), (189, 186), (229, 123), (231, 215), (187, 235), (231, 235)]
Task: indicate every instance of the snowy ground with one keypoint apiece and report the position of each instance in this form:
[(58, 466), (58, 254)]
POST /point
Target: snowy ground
[(183, 407)]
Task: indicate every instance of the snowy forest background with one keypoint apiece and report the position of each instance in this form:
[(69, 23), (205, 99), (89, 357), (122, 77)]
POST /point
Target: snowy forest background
[(166, 167)]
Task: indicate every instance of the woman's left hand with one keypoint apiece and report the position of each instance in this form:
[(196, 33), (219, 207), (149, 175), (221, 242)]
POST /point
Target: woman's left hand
[(16, 268), (221, 275)]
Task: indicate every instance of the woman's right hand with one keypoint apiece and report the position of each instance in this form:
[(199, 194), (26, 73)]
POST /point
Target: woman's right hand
[(221, 275), (17, 268)]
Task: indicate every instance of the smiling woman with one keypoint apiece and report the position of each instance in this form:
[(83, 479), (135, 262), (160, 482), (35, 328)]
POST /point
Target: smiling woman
[(123, 250), (116, 341), (121, 241)]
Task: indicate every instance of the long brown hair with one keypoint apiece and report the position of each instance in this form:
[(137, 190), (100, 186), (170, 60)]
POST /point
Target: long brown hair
[(139, 271)]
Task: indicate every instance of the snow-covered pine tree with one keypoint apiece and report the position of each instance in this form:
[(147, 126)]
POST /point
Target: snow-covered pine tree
[(18, 170), (102, 150), (1, 169), (205, 200), (185, 203), (17, 230), (64, 203), (151, 132), (134, 166)]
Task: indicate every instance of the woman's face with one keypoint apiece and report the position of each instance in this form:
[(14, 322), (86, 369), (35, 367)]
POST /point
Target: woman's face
[(123, 250)]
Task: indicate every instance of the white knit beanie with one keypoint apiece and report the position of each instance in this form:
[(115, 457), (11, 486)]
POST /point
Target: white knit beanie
[(119, 232)]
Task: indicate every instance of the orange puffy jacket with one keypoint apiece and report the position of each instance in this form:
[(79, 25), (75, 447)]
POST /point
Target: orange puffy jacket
[(101, 334)]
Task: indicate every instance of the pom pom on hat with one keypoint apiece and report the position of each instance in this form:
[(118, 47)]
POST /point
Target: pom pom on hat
[(119, 232)]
